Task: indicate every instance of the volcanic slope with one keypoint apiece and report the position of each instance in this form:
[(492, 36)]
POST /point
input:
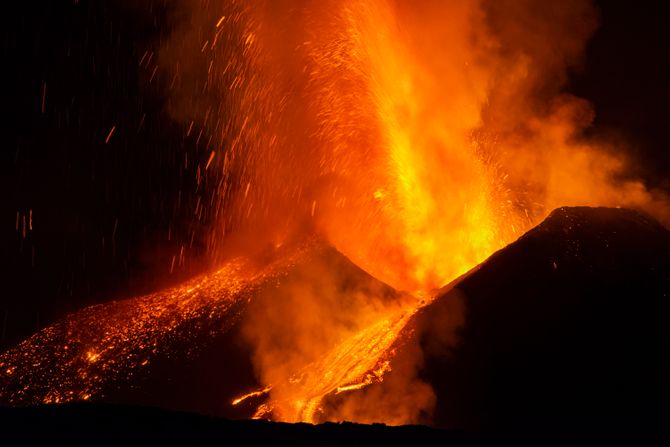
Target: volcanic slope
[(188, 348), (565, 329)]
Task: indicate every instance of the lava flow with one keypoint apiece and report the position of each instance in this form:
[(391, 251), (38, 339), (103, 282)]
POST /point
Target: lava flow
[(417, 138), (77, 357)]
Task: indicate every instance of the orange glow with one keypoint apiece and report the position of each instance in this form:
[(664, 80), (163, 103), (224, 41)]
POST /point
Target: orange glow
[(431, 218), (241, 399), (74, 358), (416, 137)]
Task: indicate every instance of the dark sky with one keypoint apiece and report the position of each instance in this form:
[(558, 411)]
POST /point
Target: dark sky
[(102, 212), (627, 76)]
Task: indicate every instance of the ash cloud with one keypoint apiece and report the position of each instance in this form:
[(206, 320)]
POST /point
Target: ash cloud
[(416, 137), (535, 130)]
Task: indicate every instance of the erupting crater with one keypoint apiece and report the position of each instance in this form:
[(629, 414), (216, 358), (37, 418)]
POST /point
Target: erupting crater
[(376, 180)]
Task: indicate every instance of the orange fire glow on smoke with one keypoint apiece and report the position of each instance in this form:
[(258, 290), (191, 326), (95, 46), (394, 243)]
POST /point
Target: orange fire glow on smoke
[(416, 191), (416, 137)]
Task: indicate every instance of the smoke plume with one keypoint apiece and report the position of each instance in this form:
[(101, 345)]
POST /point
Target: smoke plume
[(415, 137)]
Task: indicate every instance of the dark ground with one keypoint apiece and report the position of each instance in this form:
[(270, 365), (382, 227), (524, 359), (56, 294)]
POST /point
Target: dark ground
[(102, 212), (91, 424)]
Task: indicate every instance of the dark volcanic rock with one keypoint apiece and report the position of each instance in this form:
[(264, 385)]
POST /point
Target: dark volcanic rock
[(565, 329), (96, 424)]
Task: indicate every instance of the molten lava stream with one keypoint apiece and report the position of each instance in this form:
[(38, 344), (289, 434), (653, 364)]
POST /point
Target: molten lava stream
[(354, 363)]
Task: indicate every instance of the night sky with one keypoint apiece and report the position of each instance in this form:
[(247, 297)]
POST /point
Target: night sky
[(107, 212)]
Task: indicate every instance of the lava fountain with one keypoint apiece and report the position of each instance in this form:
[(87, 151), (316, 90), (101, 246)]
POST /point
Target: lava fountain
[(416, 138)]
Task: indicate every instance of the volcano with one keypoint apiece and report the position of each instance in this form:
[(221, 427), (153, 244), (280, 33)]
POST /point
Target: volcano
[(187, 348), (332, 221), (566, 328), (563, 329)]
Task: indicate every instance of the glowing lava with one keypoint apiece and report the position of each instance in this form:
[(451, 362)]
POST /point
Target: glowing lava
[(75, 358)]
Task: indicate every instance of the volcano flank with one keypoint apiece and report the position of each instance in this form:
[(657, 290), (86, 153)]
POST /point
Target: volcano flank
[(564, 329)]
